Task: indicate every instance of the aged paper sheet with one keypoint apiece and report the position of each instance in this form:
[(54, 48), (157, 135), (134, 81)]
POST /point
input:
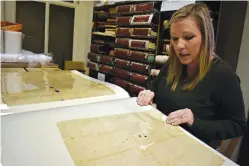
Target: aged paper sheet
[(39, 85), (133, 139)]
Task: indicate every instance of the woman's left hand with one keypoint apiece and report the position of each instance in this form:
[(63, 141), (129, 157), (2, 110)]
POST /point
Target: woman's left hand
[(181, 116)]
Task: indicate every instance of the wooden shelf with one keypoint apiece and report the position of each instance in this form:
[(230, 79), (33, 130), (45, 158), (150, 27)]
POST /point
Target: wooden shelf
[(134, 13), (139, 37), (103, 34), (136, 49), (139, 26)]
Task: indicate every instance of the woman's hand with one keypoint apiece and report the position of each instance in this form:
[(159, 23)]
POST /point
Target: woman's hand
[(145, 97), (181, 116)]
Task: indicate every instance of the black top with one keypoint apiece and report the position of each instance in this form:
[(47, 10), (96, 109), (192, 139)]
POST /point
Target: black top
[(216, 102)]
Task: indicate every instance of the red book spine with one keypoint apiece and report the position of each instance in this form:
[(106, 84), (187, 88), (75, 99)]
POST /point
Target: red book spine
[(122, 64), (122, 42), (137, 78), (144, 7), (105, 69), (141, 31), (138, 56), (108, 60), (124, 9), (122, 53), (123, 20), (138, 44), (141, 19), (121, 73), (95, 48), (123, 32), (141, 68), (93, 57), (92, 65)]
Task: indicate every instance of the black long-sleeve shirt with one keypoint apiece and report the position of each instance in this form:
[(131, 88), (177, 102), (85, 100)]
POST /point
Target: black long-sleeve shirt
[(216, 102)]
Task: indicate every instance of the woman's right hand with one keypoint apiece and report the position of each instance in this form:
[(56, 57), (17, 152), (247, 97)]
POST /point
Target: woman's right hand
[(145, 97)]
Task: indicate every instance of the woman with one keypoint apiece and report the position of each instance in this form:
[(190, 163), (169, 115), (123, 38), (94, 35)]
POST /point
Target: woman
[(195, 88)]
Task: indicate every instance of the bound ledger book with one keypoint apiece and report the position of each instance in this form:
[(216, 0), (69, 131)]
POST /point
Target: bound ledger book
[(93, 57), (135, 20), (107, 60), (93, 65), (99, 48), (136, 44), (136, 8), (122, 64), (105, 69), (137, 56), (139, 32)]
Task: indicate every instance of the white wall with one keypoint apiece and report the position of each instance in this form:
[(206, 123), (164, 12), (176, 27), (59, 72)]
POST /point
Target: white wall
[(10, 11), (243, 69), (2, 10), (243, 61)]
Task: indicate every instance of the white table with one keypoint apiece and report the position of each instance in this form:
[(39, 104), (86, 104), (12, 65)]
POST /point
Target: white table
[(119, 93), (32, 138)]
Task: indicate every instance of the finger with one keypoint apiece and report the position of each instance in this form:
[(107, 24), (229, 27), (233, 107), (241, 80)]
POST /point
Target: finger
[(145, 98), (172, 120), (148, 98), (140, 102), (179, 121), (140, 97), (185, 116), (141, 93), (189, 118), (176, 114)]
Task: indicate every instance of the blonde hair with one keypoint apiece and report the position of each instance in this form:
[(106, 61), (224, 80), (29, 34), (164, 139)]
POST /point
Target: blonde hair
[(200, 13)]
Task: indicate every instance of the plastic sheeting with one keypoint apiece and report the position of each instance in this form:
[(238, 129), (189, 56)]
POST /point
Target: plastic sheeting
[(27, 57)]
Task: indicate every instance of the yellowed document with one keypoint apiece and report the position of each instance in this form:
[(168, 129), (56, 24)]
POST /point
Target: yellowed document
[(133, 139)]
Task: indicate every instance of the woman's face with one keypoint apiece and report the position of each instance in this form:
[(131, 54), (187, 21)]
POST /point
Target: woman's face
[(186, 40)]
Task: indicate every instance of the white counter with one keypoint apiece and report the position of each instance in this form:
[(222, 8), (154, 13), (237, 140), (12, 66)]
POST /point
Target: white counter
[(33, 139)]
